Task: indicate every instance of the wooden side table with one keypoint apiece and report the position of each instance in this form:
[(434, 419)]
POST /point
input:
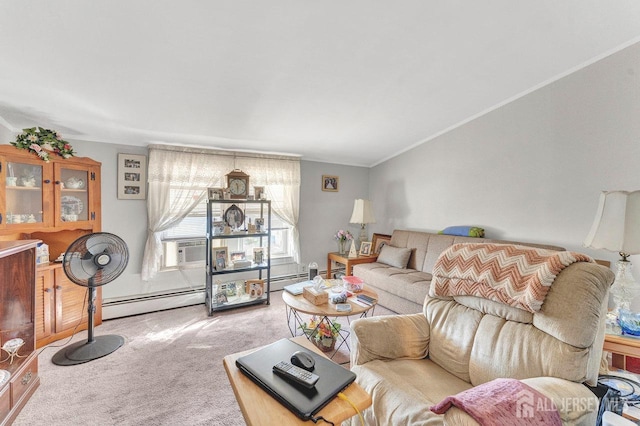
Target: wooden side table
[(260, 409), (621, 347), (347, 261)]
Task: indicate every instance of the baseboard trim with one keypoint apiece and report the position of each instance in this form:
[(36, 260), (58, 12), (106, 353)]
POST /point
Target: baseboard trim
[(143, 304)]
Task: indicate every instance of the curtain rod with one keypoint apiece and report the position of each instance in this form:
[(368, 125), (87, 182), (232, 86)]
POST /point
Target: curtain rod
[(234, 154)]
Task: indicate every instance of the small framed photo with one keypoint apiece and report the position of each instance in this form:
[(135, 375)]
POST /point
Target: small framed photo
[(217, 227), (330, 183), (237, 255), (378, 241), (220, 258), (132, 177), (229, 288), (258, 192), (215, 193), (254, 288), (365, 248), (258, 255), (221, 298)]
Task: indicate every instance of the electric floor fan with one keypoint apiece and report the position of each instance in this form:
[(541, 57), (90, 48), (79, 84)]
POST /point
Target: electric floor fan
[(91, 261)]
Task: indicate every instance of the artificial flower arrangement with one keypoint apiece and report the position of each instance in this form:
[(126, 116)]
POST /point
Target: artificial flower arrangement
[(322, 333), (42, 142), (343, 235)]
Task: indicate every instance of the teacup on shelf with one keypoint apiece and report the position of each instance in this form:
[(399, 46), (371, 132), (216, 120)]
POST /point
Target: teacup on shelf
[(74, 183)]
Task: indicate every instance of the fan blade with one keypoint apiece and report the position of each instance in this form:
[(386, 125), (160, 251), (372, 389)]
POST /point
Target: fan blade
[(89, 267)]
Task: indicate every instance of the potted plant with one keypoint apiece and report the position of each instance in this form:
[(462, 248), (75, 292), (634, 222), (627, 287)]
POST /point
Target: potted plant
[(323, 333)]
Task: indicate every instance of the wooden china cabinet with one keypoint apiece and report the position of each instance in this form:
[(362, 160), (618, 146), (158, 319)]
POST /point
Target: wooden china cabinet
[(55, 202), (18, 370)]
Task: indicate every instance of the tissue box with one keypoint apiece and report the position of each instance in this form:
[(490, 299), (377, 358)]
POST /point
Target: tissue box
[(316, 297), (42, 253)]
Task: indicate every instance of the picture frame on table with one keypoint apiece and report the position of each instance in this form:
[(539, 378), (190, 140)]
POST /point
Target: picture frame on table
[(378, 241), (254, 288), (220, 257), (330, 183), (365, 248), (229, 288), (217, 227), (258, 192), (132, 177), (237, 255), (221, 298), (258, 255), (215, 193)]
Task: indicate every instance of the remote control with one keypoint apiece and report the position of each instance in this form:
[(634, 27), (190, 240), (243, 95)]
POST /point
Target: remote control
[(296, 374)]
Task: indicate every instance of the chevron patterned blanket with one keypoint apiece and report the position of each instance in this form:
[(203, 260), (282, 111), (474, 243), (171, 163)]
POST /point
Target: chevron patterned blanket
[(517, 276)]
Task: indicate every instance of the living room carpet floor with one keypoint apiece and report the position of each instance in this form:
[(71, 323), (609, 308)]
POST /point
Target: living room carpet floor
[(169, 371)]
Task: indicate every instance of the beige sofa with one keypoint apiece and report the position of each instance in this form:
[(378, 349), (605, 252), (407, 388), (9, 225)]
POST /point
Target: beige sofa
[(410, 362), (403, 290)]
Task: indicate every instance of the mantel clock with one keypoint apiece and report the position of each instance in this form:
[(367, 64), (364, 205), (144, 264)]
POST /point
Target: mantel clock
[(238, 184)]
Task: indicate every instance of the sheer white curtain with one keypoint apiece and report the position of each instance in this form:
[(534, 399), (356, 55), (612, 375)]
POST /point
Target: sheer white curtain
[(280, 174), (178, 181)]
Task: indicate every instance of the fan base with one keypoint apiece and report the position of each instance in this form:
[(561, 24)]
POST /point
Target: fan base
[(81, 352)]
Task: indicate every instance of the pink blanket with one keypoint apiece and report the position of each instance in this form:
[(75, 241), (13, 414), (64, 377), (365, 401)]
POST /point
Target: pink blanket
[(515, 275), (503, 402)]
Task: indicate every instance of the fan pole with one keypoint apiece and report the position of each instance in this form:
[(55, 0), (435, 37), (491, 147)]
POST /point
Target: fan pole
[(91, 310)]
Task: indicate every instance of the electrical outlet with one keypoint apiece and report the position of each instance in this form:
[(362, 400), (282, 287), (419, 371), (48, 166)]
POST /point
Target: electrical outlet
[(303, 268)]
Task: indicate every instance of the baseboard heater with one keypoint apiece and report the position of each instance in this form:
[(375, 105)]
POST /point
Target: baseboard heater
[(146, 303)]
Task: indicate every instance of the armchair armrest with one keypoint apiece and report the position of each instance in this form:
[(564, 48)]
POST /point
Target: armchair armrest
[(575, 403), (389, 337)]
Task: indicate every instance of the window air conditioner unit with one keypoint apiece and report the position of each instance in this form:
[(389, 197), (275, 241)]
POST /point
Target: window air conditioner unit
[(191, 252)]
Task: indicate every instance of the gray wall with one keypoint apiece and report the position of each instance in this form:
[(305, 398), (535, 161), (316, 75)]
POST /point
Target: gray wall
[(323, 213), (529, 171)]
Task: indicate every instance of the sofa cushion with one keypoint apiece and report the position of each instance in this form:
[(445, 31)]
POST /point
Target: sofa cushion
[(399, 392), (394, 256), (408, 284)]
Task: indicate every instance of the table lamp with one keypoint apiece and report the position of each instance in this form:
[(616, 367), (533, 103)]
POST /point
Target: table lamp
[(362, 214), (616, 228)]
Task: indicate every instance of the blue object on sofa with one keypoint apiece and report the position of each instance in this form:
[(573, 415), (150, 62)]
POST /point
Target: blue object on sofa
[(463, 231)]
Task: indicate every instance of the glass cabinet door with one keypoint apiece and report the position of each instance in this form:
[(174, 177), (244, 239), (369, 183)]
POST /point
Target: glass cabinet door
[(24, 196), (74, 195)]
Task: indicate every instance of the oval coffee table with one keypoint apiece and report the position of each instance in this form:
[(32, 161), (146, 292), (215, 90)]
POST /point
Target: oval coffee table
[(296, 305)]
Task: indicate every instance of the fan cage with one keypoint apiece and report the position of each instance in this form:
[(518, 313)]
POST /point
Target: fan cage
[(79, 259)]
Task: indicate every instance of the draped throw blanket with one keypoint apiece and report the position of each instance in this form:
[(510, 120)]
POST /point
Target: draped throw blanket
[(504, 402), (515, 275)]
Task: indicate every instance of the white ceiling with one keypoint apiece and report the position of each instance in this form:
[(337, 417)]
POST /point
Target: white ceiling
[(350, 82)]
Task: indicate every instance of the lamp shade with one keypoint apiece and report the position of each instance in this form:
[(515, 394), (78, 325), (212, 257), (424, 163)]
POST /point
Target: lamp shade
[(362, 212), (616, 226)]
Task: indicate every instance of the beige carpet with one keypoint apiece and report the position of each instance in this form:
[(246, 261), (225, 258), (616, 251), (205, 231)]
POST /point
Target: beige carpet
[(169, 371)]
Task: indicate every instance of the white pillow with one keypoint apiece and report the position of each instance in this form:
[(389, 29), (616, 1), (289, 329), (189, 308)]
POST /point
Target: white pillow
[(397, 257)]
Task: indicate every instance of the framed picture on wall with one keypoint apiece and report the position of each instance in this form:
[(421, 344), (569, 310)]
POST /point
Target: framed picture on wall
[(330, 183), (132, 177)]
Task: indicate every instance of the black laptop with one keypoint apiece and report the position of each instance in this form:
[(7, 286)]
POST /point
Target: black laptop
[(305, 403)]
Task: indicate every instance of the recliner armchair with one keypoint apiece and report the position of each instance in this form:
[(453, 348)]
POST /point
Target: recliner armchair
[(409, 363)]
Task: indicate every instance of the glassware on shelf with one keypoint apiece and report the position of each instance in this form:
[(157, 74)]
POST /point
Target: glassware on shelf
[(11, 347)]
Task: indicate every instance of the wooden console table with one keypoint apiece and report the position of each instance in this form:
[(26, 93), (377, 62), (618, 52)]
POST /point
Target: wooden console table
[(347, 261)]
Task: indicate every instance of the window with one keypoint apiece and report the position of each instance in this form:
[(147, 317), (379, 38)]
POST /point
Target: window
[(178, 179), (185, 236)]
